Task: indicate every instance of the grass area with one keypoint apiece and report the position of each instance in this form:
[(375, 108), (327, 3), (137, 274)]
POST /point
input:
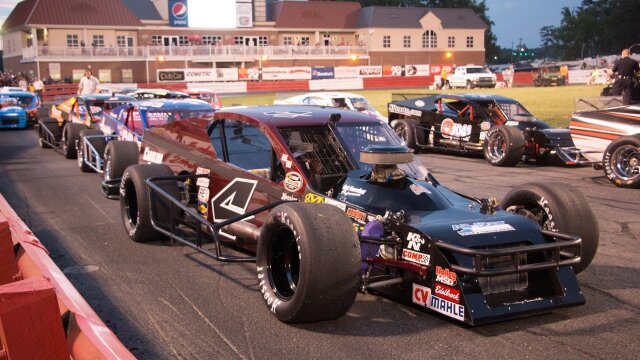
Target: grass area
[(551, 104)]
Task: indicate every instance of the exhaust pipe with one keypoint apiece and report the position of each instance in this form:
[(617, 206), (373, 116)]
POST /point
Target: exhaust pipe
[(244, 230)]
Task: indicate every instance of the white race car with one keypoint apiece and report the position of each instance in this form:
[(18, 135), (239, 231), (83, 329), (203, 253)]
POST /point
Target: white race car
[(334, 99)]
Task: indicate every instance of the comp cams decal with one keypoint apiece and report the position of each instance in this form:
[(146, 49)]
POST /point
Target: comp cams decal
[(482, 228), (416, 257)]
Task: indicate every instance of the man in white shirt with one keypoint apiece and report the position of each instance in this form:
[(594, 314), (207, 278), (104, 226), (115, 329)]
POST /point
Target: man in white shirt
[(38, 87), (88, 84)]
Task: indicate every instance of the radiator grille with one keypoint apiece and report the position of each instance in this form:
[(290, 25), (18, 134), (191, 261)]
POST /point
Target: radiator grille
[(504, 283)]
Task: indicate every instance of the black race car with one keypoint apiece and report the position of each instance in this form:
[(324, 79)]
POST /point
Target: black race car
[(498, 127), (328, 202)]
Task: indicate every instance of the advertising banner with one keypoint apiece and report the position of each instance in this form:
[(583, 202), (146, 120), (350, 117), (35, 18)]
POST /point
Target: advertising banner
[(416, 70), (436, 69), (178, 13), (345, 72), (320, 73), (249, 74), (370, 71), (393, 70), (197, 75), (286, 73)]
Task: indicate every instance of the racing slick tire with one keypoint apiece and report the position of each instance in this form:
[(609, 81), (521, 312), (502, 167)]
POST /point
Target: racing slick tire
[(558, 207), (118, 155), (52, 125), (98, 143), (308, 262), (405, 129), (135, 205), (70, 134), (621, 161), (503, 146)]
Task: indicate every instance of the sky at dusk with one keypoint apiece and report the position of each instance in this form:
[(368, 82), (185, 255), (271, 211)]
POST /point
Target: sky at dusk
[(514, 19)]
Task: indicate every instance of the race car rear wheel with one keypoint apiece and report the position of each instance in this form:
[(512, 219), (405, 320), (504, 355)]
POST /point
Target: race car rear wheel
[(135, 205), (118, 156), (98, 143), (504, 146), (621, 161), (405, 129), (558, 207), (308, 262), (52, 125), (70, 135)]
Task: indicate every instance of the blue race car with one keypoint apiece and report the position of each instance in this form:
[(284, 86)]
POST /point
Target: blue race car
[(17, 109), (115, 144)]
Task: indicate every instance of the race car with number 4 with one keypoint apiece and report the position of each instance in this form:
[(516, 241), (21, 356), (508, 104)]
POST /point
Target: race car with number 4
[(328, 202), (499, 128)]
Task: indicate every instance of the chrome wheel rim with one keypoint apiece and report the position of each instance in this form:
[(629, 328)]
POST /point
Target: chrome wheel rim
[(626, 163)]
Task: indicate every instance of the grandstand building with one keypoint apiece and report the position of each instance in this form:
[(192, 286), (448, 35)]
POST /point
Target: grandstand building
[(132, 40)]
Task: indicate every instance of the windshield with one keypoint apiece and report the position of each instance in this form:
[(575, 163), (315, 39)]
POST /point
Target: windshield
[(22, 101), (477, 70), (161, 117), (361, 104), (511, 109)]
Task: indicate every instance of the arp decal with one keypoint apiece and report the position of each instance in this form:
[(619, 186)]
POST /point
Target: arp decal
[(482, 228), (416, 257), (446, 276), (450, 129), (233, 200), (313, 198), (293, 181)]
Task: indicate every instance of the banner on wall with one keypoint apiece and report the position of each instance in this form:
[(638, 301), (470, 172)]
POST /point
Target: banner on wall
[(249, 74), (178, 13), (346, 72), (321, 73), (286, 73), (436, 69), (197, 75), (393, 70), (416, 70), (370, 71)]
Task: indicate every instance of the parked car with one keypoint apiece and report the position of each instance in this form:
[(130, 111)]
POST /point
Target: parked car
[(471, 77), (343, 100), (496, 127), (18, 109), (62, 129), (328, 202), (206, 95), (549, 75), (145, 94), (610, 138)]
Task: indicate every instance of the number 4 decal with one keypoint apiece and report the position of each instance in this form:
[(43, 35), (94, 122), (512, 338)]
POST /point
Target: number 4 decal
[(233, 200)]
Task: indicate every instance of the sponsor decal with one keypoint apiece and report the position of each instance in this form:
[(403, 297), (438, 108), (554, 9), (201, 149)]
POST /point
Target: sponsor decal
[(447, 308), (203, 208), (416, 257), (447, 293), (392, 70), (203, 194), (451, 129), (293, 181), (233, 200), (349, 190), (356, 214), (415, 241), (178, 12), (421, 295), (404, 110), (313, 198), (418, 189), (284, 159), (370, 71), (288, 197), (416, 70), (318, 73), (288, 114), (419, 103), (342, 206), (446, 276), (203, 181), (525, 301), (152, 156), (482, 228)]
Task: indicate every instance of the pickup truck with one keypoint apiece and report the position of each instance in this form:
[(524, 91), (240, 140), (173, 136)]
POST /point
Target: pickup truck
[(471, 77)]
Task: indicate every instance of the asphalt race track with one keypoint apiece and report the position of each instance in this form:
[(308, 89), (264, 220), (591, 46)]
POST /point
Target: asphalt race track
[(172, 302)]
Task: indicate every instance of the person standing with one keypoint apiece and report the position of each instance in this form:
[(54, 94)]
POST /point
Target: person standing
[(22, 83), (88, 84), (626, 69), (443, 77), (38, 87)]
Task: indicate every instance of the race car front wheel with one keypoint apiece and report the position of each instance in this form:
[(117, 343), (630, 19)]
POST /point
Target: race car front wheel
[(558, 207), (504, 146), (308, 262), (98, 143), (136, 206), (70, 134), (621, 161), (405, 129), (118, 156)]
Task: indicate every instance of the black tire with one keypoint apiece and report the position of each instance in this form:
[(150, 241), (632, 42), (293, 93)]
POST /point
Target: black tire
[(308, 262), (119, 155), (52, 125), (405, 129), (469, 84), (621, 161), (503, 146), (70, 135), (98, 143), (135, 206), (558, 207)]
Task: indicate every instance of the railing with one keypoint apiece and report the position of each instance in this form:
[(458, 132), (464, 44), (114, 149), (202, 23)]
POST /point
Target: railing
[(203, 52)]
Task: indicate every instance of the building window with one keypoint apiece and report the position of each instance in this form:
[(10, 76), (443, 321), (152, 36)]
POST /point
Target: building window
[(127, 75), (72, 40), (287, 40), (304, 41), (386, 41), (451, 41), (238, 40), (263, 41), (406, 41), (429, 39), (98, 41), (121, 41), (469, 41), (183, 41), (211, 39), (156, 40)]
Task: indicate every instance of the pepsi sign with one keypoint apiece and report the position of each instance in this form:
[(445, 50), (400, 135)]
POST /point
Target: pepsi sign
[(178, 13)]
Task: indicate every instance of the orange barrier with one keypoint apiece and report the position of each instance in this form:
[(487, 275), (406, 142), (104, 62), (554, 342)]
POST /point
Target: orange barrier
[(33, 278)]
